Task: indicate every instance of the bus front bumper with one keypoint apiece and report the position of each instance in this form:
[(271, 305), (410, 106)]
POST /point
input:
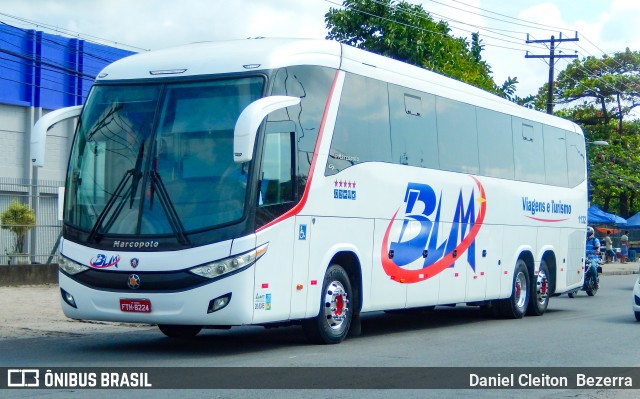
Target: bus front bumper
[(188, 307)]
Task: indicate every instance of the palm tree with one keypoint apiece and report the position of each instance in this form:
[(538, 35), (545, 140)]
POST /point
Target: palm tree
[(19, 219)]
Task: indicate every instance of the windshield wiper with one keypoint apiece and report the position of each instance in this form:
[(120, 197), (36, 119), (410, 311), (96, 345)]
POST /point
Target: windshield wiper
[(167, 206), (123, 182), (135, 174)]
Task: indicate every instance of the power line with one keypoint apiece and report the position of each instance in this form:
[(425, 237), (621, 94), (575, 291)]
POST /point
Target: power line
[(41, 87), (551, 28), (35, 60), (528, 25), (552, 56), (44, 69), (445, 18), (419, 28), (68, 31), (71, 50), (48, 59)]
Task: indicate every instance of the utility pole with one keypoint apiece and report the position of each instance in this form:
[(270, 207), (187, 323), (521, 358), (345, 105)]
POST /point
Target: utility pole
[(552, 56)]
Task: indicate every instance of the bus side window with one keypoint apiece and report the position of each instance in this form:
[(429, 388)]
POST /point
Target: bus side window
[(414, 138), (528, 151), (361, 133), (495, 143), (576, 158), (457, 136), (276, 178), (555, 156)]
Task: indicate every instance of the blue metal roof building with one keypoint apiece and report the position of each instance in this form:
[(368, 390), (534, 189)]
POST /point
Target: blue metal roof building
[(41, 70)]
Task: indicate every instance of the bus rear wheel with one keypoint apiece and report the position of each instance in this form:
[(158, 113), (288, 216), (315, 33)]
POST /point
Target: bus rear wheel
[(540, 292), (332, 323), (515, 306), (179, 331)]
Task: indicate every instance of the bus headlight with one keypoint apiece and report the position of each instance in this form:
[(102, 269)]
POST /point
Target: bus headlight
[(71, 267), (231, 264)]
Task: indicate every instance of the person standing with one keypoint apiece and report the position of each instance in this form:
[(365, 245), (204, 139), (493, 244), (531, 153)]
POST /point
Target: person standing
[(609, 253), (624, 247)]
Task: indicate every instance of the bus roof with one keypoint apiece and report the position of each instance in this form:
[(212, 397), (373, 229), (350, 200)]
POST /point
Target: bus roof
[(210, 58)]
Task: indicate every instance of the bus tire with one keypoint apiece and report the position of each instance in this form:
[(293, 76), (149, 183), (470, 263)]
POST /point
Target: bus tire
[(515, 306), (179, 331), (332, 323), (539, 291)]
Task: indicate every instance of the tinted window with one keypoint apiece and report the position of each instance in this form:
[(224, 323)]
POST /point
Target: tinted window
[(276, 184), (193, 155), (495, 144), (414, 139), (181, 179), (312, 84), (576, 160), (361, 132), (528, 151), (555, 156), (457, 136)]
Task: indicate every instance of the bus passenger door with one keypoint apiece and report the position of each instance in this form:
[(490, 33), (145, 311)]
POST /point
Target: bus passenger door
[(276, 196)]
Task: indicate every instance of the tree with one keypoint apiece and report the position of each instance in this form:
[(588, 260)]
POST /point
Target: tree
[(614, 170), (406, 32), (19, 219), (599, 94), (611, 83)]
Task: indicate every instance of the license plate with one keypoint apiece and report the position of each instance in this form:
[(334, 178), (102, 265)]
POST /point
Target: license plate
[(135, 305)]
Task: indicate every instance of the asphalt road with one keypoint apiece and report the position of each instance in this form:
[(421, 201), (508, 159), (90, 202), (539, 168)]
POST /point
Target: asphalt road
[(579, 332)]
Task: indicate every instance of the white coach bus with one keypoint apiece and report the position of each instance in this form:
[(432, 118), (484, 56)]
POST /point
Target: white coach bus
[(275, 181)]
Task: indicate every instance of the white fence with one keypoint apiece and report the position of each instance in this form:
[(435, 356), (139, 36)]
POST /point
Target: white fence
[(41, 243)]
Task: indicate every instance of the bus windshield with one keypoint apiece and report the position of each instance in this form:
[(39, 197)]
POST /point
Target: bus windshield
[(157, 159)]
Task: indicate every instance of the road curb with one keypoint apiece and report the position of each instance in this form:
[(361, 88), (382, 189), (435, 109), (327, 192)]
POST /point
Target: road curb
[(618, 273)]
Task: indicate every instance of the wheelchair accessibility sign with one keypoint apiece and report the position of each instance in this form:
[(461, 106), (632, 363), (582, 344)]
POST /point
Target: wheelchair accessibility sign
[(302, 232)]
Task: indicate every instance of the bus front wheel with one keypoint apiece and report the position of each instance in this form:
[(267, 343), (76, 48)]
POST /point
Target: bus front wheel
[(515, 306), (178, 331), (332, 323)]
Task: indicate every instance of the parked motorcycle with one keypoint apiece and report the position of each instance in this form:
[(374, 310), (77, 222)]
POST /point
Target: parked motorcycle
[(591, 283)]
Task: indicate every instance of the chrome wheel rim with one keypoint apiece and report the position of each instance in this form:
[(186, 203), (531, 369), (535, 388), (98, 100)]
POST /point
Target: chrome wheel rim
[(542, 287), (336, 307), (520, 288)]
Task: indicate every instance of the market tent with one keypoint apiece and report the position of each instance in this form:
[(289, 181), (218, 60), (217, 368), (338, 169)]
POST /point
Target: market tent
[(596, 215), (634, 221), (619, 221)]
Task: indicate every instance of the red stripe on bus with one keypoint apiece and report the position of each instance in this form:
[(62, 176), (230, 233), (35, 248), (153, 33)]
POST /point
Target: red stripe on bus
[(298, 207), (547, 220)]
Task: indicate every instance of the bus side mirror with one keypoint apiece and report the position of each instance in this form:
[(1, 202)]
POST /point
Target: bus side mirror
[(39, 131), (244, 135)]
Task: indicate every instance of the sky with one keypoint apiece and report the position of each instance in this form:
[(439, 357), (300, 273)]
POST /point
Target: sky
[(603, 26)]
